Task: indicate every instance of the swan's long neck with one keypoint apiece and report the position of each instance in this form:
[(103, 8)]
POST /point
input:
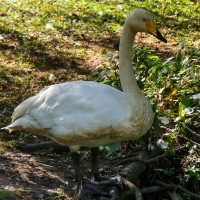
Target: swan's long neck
[(127, 78)]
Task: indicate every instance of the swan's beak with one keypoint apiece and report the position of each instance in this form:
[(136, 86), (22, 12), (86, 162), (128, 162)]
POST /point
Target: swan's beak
[(151, 28)]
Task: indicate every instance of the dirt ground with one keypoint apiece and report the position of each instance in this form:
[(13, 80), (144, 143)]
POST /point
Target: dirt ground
[(44, 174), (39, 175)]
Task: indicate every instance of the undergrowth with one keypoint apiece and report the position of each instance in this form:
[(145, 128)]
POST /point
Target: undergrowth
[(172, 86)]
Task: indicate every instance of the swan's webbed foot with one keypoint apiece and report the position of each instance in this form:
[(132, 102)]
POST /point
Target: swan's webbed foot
[(111, 180), (98, 186), (102, 186)]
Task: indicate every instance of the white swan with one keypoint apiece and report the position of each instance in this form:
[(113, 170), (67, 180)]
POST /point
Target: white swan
[(90, 114)]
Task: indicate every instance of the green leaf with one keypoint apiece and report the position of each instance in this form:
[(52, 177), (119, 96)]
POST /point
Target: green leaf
[(180, 110), (172, 151), (156, 124), (153, 69), (153, 57), (113, 148), (185, 101)]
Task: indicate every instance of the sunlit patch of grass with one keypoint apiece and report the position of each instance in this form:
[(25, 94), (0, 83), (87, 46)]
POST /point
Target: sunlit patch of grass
[(2, 150), (9, 195), (7, 144)]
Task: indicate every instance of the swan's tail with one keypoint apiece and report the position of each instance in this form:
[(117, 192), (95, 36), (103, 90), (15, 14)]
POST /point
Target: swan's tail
[(22, 123)]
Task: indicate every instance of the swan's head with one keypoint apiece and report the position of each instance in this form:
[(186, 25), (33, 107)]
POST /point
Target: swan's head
[(142, 20)]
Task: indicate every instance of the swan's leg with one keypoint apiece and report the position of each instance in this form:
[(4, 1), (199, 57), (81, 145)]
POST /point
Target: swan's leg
[(76, 162), (95, 160), (99, 185)]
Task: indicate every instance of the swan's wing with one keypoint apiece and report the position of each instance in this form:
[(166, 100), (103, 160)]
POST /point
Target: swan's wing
[(71, 108), (22, 108)]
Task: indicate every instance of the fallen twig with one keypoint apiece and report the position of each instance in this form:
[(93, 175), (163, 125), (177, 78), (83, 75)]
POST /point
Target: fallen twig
[(191, 131), (188, 139)]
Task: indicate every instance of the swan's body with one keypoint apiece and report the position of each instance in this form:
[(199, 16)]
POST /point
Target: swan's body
[(83, 113), (91, 114)]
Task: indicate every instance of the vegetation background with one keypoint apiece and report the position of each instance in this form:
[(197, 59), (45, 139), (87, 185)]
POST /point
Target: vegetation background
[(47, 42)]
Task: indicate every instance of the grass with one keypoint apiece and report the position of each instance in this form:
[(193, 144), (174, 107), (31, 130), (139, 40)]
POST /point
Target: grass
[(8, 195), (47, 42)]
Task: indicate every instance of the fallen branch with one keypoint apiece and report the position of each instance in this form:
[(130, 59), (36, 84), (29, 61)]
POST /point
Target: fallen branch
[(132, 188), (164, 186), (44, 145), (173, 186), (134, 169), (139, 159), (152, 189)]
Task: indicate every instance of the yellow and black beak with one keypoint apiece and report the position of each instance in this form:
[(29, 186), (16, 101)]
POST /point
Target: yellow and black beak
[(151, 28)]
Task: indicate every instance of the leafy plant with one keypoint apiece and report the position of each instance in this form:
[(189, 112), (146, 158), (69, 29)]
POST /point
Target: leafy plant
[(169, 171), (168, 84)]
